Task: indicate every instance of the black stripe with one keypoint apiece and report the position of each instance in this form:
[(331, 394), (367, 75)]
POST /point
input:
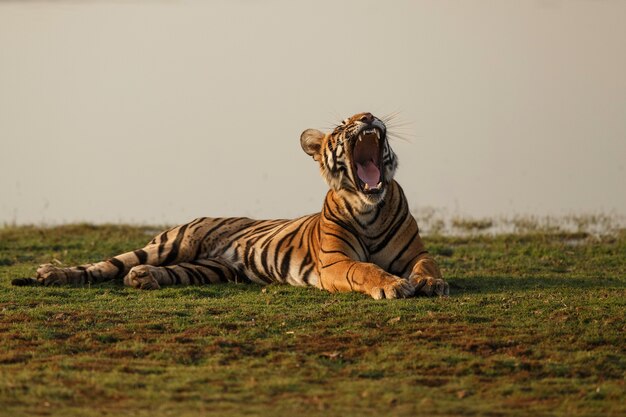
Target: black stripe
[(288, 241), (176, 279), (343, 240), (354, 234), (401, 251), (197, 221), (350, 278), (200, 275), (306, 273), (325, 157), (264, 259), (85, 276), (305, 262), (308, 225), (334, 152), (282, 227), (119, 265), (255, 230), (377, 214), (390, 235), (194, 275), (239, 274), (162, 245), (411, 262), (343, 225), (251, 230), (220, 222), (353, 216), (324, 266), (250, 263), (171, 257), (334, 251), (396, 215), (141, 255), (360, 213), (284, 266), (217, 270), (330, 216)]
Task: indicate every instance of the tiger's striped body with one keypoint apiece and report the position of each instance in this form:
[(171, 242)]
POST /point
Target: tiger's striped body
[(364, 239)]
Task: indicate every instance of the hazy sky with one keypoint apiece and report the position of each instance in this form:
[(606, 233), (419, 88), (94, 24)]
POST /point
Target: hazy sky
[(161, 111)]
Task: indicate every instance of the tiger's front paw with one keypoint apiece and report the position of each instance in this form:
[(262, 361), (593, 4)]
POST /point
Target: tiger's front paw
[(141, 277), (393, 288), (429, 286)]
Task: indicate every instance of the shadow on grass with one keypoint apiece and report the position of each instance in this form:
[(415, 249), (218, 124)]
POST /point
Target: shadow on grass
[(211, 291), (460, 286), (117, 287)]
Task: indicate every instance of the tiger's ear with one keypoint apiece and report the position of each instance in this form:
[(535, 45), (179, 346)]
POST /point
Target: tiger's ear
[(311, 142)]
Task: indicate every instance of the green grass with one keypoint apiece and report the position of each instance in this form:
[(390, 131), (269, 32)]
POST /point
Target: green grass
[(535, 325)]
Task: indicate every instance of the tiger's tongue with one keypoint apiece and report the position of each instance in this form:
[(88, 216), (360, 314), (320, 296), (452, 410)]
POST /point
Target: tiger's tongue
[(369, 173)]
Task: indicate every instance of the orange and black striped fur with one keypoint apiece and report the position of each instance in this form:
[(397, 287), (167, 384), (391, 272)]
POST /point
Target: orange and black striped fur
[(365, 239)]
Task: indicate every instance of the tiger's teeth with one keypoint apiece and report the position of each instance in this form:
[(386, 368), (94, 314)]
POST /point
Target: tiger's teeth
[(366, 186), (377, 133)]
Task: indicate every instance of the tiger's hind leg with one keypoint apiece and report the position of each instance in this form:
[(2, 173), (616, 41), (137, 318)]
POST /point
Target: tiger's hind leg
[(173, 246), (113, 268), (198, 272)]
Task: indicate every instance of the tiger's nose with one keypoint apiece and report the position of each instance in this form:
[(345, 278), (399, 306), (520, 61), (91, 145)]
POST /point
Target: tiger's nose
[(367, 118)]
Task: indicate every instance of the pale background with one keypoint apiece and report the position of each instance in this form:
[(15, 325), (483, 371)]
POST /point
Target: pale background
[(161, 111)]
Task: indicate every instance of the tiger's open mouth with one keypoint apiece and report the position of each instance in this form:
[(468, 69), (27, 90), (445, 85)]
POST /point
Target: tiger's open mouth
[(366, 161)]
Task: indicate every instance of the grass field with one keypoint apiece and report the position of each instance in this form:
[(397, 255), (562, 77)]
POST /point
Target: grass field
[(535, 325)]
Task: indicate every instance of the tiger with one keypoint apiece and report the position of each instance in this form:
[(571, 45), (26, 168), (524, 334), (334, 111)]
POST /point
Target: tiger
[(364, 239)]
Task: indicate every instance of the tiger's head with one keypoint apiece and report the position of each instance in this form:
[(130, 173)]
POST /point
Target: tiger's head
[(355, 158)]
